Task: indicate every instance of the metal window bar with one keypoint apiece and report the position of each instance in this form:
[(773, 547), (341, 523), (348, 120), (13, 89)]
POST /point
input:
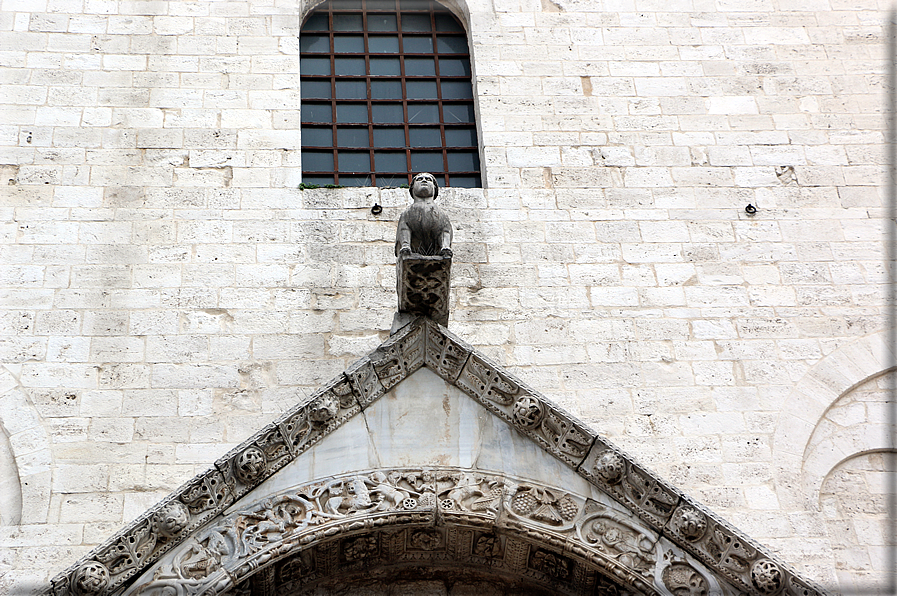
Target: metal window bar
[(456, 164)]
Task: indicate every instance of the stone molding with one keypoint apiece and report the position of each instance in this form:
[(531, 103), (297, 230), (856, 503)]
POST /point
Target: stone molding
[(653, 505)]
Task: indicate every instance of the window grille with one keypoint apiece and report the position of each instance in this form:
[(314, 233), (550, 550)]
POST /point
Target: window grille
[(386, 92)]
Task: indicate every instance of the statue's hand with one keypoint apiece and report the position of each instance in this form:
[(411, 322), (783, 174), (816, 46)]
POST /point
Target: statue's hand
[(405, 251), (446, 252)]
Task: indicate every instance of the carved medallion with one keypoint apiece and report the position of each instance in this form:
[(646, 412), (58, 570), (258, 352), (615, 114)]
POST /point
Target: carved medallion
[(684, 580), (767, 577), (90, 579), (171, 519), (690, 523), (528, 412), (609, 466), (250, 465)]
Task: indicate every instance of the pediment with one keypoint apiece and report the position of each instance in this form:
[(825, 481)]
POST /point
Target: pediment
[(425, 453)]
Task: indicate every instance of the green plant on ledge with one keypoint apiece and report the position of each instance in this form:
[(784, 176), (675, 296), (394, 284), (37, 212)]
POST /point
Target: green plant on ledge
[(306, 186)]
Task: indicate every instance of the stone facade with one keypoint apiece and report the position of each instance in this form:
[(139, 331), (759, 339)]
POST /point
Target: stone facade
[(166, 288)]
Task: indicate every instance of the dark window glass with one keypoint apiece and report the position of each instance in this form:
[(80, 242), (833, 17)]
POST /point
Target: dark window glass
[(351, 112), (415, 67), (389, 137), (350, 180), (446, 22), (390, 161), (312, 89), (382, 22), (426, 137), (354, 161), (423, 113), (463, 161), (316, 22), (386, 89), (317, 137), (421, 89), (314, 66), (317, 161), (415, 22), (314, 44), (347, 67), (460, 137), (454, 67), (451, 44), (466, 181), (388, 113), (383, 44), (426, 162), (348, 44), (347, 22), (456, 90), (317, 179), (385, 67), (317, 112), (386, 97), (457, 112), (417, 44), (353, 136), (351, 90)]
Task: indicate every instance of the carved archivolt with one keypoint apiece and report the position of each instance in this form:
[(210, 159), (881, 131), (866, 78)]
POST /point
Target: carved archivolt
[(203, 550), (540, 533)]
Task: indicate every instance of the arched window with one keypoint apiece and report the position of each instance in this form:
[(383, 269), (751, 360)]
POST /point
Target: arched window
[(386, 92)]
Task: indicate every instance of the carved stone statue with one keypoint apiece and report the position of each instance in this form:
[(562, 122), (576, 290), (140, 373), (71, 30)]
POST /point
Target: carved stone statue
[(424, 256), (423, 228)]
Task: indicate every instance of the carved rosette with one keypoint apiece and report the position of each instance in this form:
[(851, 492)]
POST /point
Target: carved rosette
[(90, 579), (767, 577), (690, 523), (171, 519), (610, 467), (528, 412), (250, 465)]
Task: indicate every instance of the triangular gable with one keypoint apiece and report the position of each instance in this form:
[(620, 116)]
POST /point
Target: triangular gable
[(665, 512)]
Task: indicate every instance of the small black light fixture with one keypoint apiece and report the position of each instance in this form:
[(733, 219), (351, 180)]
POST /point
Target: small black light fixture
[(750, 209), (376, 209)]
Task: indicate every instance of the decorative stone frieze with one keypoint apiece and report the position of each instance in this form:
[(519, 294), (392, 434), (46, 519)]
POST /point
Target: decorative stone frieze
[(554, 429), (445, 354), (538, 532), (630, 483)]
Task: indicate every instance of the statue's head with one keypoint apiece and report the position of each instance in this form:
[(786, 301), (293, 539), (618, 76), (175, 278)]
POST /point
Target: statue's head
[(423, 186)]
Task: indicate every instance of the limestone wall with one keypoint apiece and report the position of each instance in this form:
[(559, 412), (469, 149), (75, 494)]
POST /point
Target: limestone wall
[(166, 288)]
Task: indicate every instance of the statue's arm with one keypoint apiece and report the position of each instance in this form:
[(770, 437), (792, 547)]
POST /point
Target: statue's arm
[(403, 237), (446, 250)]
